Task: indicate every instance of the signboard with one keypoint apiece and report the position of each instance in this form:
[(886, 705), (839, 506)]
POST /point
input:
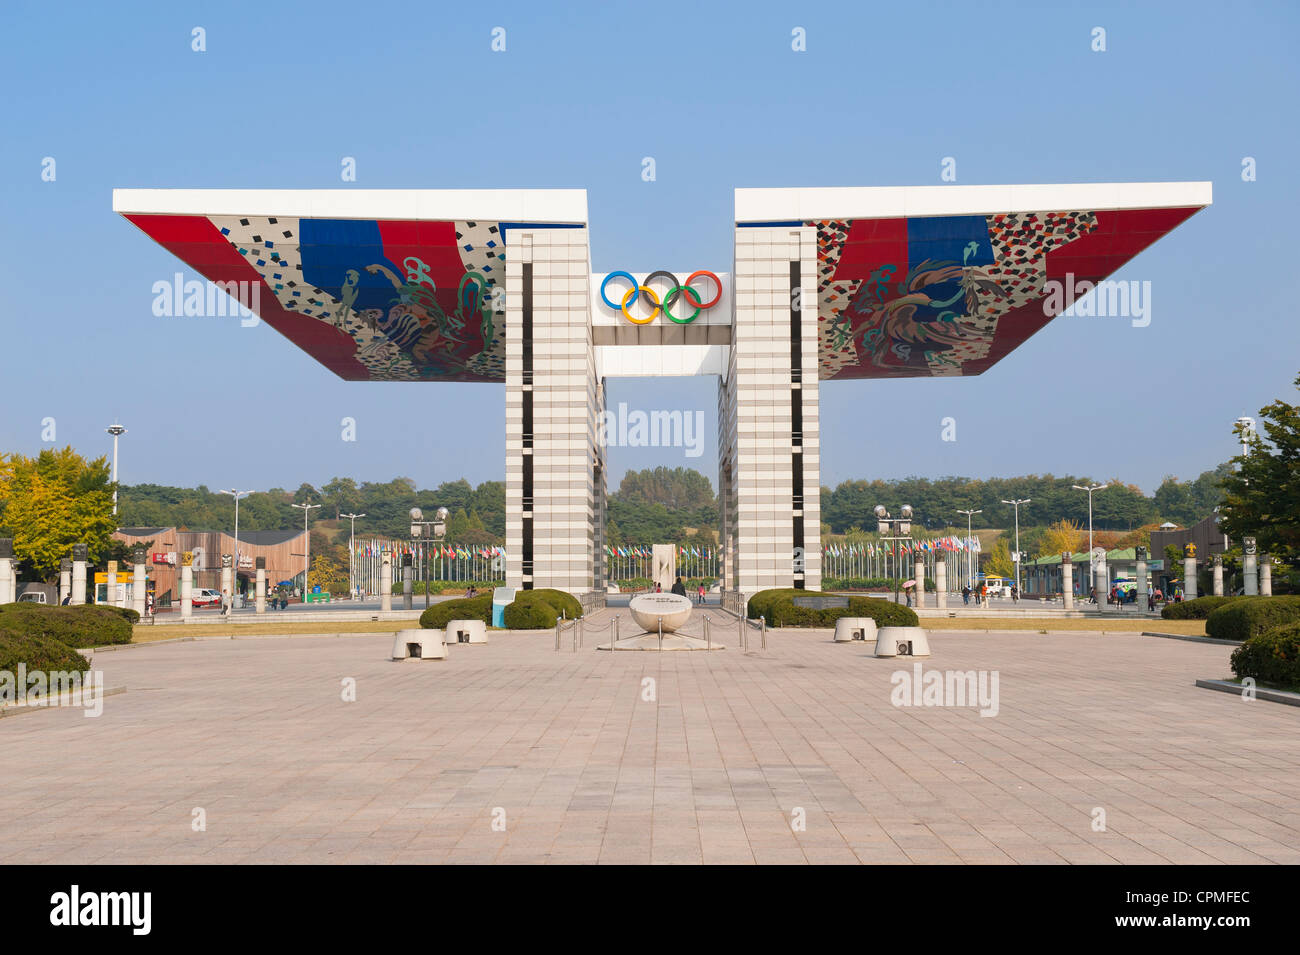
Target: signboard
[(821, 603)]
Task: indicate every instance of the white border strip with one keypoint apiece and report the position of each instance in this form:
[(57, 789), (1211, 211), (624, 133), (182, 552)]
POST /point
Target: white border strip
[(499, 205), (873, 202)]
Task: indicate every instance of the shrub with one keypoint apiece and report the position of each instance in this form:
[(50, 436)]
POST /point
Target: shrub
[(131, 616), (1246, 617), (89, 625), (464, 608), (37, 653), (1197, 609), (531, 611), (780, 610), (1271, 657), (560, 600)]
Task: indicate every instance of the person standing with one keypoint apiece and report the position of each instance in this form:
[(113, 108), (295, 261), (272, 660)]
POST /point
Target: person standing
[(965, 594)]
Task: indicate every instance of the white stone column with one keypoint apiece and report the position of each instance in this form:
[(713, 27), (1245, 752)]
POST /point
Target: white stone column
[(259, 587), (110, 588), (918, 572), (8, 586), (1189, 578), (187, 589), (1143, 582), (1250, 575), (1266, 576), (386, 582), (1217, 569), (1100, 584), (79, 556), (408, 574), (1067, 580), (65, 579), (139, 583), (227, 578), (941, 580)]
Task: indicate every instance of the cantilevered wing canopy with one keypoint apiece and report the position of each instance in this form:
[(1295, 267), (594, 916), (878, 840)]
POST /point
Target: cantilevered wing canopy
[(393, 285), (948, 280)]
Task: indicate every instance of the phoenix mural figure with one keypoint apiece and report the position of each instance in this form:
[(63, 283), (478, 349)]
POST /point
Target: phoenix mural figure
[(922, 315)]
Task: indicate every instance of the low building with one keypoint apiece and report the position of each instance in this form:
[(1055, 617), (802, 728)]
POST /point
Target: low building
[(283, 551), (1042, 576)]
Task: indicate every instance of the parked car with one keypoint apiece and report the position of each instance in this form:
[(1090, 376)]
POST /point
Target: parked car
[(206, 598), (32, 597)]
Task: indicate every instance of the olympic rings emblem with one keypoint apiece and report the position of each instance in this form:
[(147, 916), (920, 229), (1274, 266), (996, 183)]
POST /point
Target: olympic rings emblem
[(675, 291)]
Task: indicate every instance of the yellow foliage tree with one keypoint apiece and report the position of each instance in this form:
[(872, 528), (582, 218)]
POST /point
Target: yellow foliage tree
[(329, 573), (999, 562), (53, 501), (1064, 535)]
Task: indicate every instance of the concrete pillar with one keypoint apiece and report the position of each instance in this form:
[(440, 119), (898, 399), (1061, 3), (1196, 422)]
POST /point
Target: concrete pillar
[(65, 579), (227, 580), (79, 556), (187, 587), (259, 592), (139, 582), (918, 572), (1250, 574), (1100, 584), (386, 582), (8, 586), (941, 580), (408, 578), (1067, 580), (1189, 577), (1143, 579), (1217, 568), (110, 588), (1266, 576)]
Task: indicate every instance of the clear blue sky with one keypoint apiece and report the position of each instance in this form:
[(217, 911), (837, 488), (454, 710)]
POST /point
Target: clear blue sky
[(1012, 91)]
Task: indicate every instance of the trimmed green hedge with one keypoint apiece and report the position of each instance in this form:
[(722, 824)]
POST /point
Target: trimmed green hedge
[(38, 653), (778, 607), (560, 600), (464, 608), (88, 625), (1270, 657), (1245, 617), (879, 584), (1197, 609), (532, 610)]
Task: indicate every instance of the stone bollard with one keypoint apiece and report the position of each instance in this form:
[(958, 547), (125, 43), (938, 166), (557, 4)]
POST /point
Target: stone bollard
[(1216, 568), (139, 582), (408, 577), (386, 582), (941, 580), (79, 556), (65, 580), (259, 591), (8, 586), (187, 585), (1249, 566), (1067, 580)]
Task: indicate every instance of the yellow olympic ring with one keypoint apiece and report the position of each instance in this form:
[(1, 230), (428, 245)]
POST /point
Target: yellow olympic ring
[(628, 297)]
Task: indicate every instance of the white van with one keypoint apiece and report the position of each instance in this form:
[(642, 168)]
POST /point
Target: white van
[(32, 597)]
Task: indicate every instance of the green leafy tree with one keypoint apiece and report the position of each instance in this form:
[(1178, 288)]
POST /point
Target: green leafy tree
[(53, 501), (1261, 499)]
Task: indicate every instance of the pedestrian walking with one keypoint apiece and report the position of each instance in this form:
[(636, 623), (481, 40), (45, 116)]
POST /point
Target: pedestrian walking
[(965, 595)]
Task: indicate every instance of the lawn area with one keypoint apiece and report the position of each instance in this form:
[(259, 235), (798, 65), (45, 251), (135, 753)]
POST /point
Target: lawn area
[(1185, 628), (150, 633)]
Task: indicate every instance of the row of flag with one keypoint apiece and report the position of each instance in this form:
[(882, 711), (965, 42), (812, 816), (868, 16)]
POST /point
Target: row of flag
[(643, 551), (944, 544), (445, 551)]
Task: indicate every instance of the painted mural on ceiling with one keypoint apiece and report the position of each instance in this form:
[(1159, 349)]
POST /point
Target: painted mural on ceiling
[(952, 295), (377, 300)]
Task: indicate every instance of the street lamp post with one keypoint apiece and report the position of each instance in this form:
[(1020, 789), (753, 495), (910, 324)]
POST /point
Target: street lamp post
[(1016, 504), (236, 495), (418, 524), (352, 584), (970, 565), (306, 547), (901, 527), (116, 431), (1090, 488)]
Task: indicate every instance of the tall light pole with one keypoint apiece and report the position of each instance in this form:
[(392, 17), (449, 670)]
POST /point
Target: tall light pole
[(117, 431), (1016, 504), (352, 586), (306, 548), (901, 528), (1247, 425), (236, 495), (970, 569), (1090, 488)]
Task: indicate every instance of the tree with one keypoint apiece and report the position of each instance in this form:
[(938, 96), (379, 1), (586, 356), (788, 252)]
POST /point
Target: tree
[(53, 501), (1261, 499), (1064, 535), (998, 563)]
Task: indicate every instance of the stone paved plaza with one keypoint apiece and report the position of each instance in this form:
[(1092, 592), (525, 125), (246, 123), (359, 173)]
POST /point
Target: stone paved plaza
[(255, 732)]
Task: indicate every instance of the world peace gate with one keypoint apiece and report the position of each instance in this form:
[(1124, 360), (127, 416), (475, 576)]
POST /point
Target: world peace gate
[(482, 286)]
